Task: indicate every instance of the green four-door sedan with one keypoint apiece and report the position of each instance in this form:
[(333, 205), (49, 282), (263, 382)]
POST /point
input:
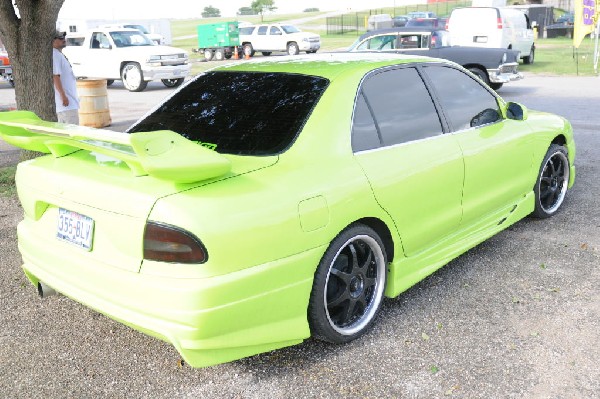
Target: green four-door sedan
[(265, 202)]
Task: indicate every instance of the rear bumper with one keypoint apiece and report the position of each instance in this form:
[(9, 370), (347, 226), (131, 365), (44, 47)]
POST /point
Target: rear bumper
[(208, 320), (505, 73)]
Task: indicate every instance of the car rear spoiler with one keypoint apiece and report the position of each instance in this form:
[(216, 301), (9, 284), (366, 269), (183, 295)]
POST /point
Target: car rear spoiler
[(163, 154)]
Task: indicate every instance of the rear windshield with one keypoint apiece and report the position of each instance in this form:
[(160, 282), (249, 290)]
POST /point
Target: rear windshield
[(241, 113)]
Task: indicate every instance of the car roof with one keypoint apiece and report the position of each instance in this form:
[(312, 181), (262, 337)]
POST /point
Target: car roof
[(400, 29), (327, 65)]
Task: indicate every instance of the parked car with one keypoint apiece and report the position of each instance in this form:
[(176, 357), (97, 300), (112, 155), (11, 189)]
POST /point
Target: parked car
[(427, 23), (6, 68), (421, 14), (563, 26), (126, 54), (268, 201), (496, 27), (494, 66), (400, 20), (269, 38)]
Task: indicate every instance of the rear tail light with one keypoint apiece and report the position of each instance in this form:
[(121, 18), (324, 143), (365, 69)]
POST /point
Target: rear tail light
[(499, 23), (447, 23), (166, 243)]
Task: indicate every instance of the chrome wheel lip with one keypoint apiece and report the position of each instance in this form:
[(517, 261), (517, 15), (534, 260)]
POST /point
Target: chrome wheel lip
[(564, 165), (132, 77), (372, 307)]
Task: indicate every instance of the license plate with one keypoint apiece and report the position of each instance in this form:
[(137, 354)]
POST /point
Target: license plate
[(75, 228)]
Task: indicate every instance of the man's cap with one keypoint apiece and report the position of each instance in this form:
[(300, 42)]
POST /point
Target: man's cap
[(59, 35)]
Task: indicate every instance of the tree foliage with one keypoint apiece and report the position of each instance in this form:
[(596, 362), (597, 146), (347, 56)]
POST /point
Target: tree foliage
[(27, 28), (210, 12), (262, 6), (246, 11)]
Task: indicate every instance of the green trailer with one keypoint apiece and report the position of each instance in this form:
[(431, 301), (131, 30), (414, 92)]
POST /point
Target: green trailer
[(219, 40)]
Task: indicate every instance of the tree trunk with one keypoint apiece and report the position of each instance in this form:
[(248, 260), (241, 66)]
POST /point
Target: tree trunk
[(27, 28)]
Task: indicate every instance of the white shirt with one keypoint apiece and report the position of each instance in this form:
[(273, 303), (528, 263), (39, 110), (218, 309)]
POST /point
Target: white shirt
[(62, 67)]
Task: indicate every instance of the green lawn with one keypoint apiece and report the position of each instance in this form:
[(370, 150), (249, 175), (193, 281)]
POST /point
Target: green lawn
[(7, 181), (553, 56)]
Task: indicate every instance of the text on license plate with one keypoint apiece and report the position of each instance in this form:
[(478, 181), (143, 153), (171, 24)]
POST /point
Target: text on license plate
[(75, 228)]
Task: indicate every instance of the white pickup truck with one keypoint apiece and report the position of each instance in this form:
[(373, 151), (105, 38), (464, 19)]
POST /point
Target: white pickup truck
[(126, 54), (268, 38)]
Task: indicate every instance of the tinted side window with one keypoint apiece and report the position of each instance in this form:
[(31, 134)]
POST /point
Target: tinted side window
[(402, 106), (242, 113), (262, 30), (466, 102), (364, 131)]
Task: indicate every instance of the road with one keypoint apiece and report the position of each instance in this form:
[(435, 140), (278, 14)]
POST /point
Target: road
[(516, 317)]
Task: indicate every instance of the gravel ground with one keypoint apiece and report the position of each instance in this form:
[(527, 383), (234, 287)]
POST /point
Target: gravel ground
[(516, 317)]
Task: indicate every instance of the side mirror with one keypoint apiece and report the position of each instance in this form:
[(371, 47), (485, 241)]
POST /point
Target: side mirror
[(516, 111)]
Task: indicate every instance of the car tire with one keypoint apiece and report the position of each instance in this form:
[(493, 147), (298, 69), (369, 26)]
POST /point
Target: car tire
[(481, 74), (292, 48), (172, 82), (133, 77), (348, 286), (109, 82), (266, 53), (530, 58), (248, 50), (552, 183), (11, 81), (208, 54), (496, 86), (219, 54)]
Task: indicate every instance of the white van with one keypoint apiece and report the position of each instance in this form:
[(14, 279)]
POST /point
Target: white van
[(492, 27)]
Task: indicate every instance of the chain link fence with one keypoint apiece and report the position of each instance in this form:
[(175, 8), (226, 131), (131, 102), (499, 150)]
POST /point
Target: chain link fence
[(356, 23)]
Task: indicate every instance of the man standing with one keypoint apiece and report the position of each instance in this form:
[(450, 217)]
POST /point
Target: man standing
[(65, 88)]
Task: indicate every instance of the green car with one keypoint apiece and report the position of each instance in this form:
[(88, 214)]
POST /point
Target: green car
[(266, 202)]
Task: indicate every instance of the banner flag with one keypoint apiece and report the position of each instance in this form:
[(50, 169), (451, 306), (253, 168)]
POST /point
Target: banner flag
[(585, 20)]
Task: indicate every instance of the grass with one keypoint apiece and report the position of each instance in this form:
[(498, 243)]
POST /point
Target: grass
[(555, 56), (7, 181)]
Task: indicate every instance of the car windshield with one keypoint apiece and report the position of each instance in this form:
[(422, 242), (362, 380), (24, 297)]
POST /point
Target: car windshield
[(289, 29), (138, 27), (130, 39), (241, 113)]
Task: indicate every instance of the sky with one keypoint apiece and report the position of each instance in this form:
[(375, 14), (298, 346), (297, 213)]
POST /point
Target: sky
[(152, 9)]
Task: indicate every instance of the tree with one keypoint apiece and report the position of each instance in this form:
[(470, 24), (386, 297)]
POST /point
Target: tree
[(246, 11), (210, 12), (27, 28), (262, 6)]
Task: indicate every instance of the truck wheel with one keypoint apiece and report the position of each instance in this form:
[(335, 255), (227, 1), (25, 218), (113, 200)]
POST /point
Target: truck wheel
[(11, 81), (292, 48), (266, 53), (248, 50), (219, 54), (172, 82), (133, 77), (208, 54), (481, 74), (529, 59)]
